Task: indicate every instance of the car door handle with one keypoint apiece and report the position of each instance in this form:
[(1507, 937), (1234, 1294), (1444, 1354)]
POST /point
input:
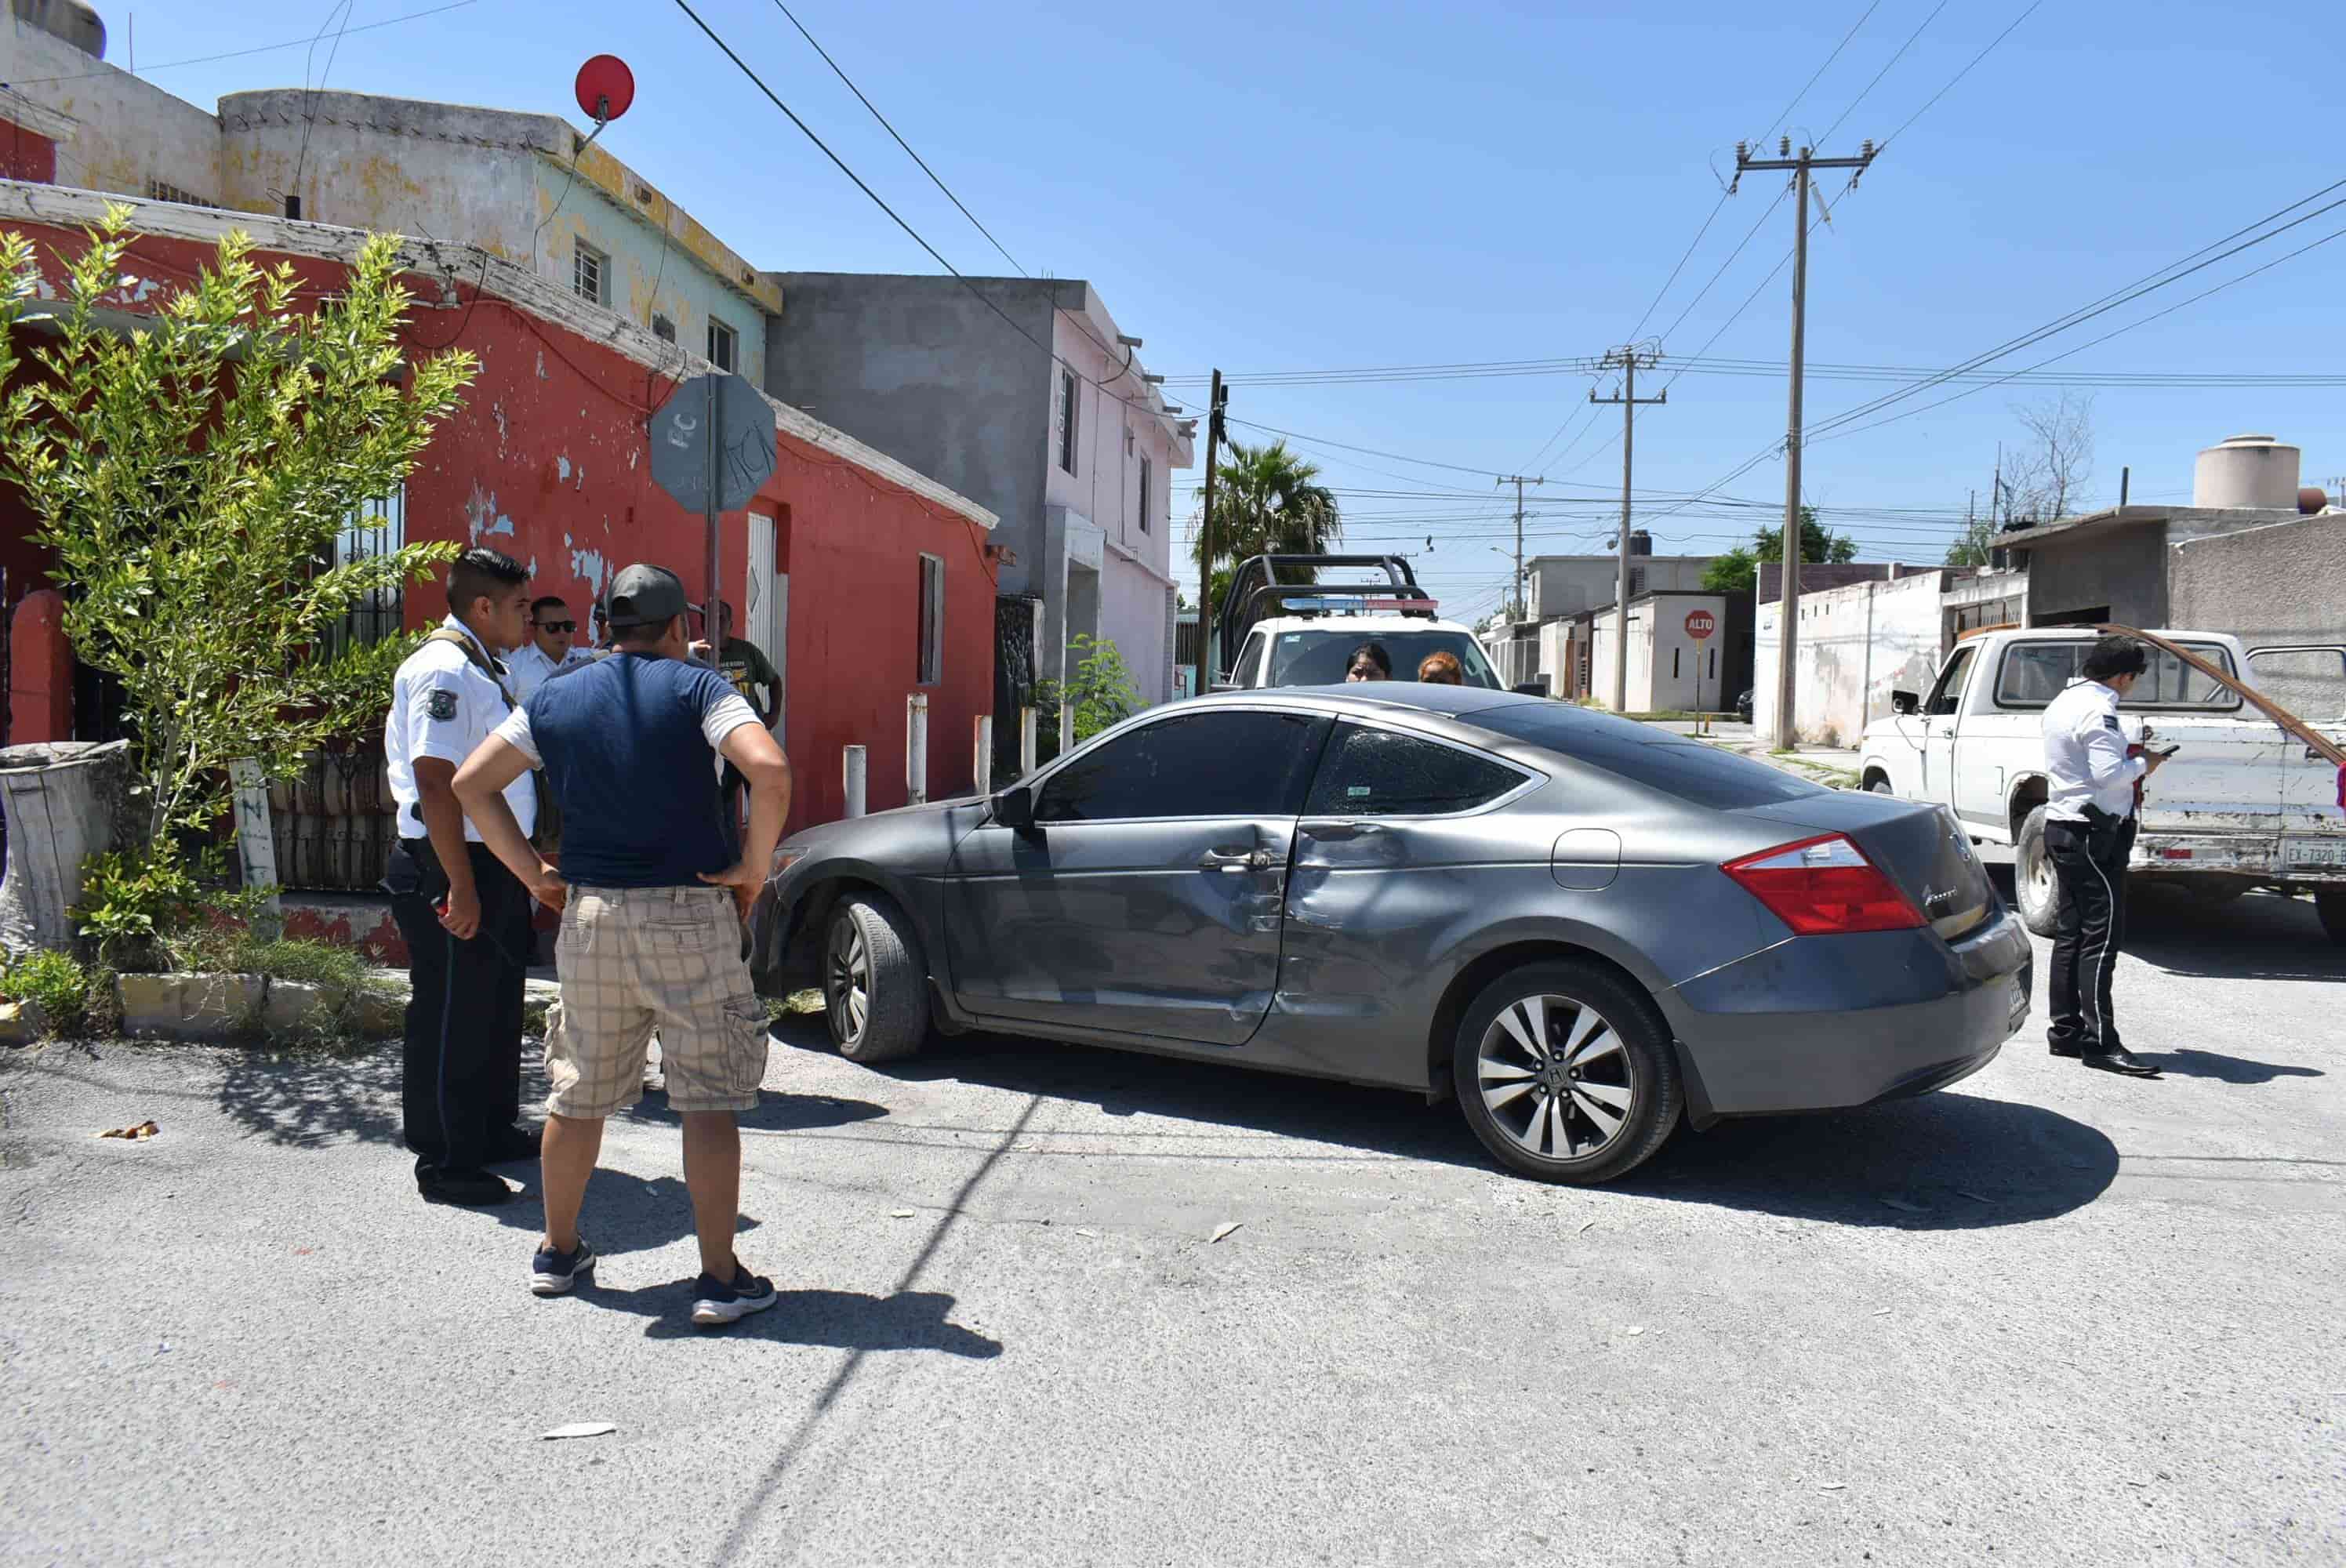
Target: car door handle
[(1233, 861), (1336, 833)]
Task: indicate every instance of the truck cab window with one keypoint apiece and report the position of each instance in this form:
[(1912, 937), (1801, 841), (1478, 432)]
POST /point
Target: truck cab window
[(1948, 695)]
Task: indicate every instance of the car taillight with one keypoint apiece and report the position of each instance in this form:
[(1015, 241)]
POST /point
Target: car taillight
[(1824, 886)]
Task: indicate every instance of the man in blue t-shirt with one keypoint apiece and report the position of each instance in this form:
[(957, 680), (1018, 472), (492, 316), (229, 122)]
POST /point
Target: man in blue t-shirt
[(655, 878)]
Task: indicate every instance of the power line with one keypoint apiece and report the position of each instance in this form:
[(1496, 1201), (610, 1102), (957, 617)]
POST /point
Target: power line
[(1885, 70), (891, 129), (841, 163), (2160, 279), (2130, 326), (1959, 75), (257, 49)]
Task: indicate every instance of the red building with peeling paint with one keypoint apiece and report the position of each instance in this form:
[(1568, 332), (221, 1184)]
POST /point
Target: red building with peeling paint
[(842, 564)]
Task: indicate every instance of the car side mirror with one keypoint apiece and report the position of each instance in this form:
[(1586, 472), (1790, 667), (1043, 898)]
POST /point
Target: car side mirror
[(1905, 702), (1530, 688), (1014, 808)]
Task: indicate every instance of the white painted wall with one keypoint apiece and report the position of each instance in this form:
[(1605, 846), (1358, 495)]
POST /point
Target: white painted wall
[(1567, 584), (503, 181), (126, 132), (1858, 644), (1666, 664), (1111, 441)]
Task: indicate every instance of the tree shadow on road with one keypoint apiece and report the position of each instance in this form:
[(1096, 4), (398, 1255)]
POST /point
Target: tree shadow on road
[(312, 1099), (1902, 1164)]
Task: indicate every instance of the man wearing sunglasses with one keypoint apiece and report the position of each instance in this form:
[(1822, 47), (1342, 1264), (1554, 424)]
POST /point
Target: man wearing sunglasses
[(549, 651)]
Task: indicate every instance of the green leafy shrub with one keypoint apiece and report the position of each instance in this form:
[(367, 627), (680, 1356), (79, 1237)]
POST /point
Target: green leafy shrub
[(56, 983), (136, 903), (1100, 692)]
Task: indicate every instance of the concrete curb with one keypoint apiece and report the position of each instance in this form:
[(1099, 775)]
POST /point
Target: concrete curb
[(210, 1008)]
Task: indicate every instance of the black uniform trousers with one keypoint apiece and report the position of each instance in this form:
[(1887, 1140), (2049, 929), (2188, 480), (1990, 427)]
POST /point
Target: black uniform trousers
[(2090, 863), (461, 1086)]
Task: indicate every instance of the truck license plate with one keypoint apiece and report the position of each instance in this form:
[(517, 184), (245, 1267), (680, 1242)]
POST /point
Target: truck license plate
[(2305, 854)]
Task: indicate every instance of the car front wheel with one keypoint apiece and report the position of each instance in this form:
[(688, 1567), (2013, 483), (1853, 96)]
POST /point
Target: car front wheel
[(874, 996), (1565, 1072)]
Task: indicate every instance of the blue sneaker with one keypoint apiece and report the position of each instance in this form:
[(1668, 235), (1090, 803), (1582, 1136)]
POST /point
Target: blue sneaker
[(553, 1273), (715, 1304)]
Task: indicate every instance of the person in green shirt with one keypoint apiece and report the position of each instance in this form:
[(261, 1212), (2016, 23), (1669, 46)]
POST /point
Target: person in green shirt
[(753, 675)]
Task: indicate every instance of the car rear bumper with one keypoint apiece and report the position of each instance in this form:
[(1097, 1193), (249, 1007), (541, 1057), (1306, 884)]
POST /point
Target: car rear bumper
[(1823, 1021)]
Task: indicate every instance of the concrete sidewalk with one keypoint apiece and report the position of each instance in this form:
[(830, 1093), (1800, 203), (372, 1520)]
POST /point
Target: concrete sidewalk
[(1833, 765)]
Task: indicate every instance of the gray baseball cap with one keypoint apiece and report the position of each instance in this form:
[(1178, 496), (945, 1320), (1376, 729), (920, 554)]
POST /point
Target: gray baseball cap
[(644, 595)]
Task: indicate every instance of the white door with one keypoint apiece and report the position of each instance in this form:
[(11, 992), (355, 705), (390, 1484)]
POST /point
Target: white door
[(765, 603)]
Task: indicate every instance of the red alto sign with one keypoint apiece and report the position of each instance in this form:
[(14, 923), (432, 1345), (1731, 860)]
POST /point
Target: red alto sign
[(1700, 624)]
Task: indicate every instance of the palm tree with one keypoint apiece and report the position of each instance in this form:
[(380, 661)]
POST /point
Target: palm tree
[(1267, 502)]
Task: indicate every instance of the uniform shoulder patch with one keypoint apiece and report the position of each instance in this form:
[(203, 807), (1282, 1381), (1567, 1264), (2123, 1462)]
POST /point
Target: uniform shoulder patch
[(2110, 721), (442, 705)]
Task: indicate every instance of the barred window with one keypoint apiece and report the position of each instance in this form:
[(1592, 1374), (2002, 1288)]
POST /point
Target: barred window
[(377, 528)]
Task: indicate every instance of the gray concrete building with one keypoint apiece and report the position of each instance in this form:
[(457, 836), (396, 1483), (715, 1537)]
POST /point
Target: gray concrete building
[(1555, 586), (1024, 395)]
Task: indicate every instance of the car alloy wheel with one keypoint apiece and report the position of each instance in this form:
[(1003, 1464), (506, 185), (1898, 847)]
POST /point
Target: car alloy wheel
[(875, 989), (1555, 1078), (847, 982), (1566, 1072)]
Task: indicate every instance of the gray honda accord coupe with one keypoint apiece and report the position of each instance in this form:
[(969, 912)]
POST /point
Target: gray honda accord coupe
[(1585, 930)]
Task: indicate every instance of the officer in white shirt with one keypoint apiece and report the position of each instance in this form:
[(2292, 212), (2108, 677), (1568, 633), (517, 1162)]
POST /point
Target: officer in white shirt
[(2089, 830), (549, 651), (465, 917)]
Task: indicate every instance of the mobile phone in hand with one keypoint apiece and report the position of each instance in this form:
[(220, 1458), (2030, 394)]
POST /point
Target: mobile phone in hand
[(2163, 752)]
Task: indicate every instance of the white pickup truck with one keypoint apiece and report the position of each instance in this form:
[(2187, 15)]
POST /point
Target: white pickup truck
[(2243, 804)]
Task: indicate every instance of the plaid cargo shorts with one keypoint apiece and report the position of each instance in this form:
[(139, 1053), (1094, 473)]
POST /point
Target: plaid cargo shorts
[(633, 960)]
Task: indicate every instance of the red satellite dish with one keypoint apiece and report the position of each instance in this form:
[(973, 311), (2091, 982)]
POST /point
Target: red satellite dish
[(606, 88)]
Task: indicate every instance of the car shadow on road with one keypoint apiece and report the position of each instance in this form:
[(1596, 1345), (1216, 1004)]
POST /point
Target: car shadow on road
[(1949, 1161), (832, 1320), (1945, 1161), (2259, 936)]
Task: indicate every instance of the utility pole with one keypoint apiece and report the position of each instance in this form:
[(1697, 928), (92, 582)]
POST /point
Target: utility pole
[(1515, 595), (1629, 358), (1208, 659), (1789, 546)]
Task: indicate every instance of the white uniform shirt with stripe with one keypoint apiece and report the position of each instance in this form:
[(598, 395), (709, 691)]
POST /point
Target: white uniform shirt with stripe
[(443, 706), (529, 669), (2085, 753)]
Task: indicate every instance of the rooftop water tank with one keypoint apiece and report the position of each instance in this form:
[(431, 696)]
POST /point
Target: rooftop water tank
[(2246, 470), (68, 19)]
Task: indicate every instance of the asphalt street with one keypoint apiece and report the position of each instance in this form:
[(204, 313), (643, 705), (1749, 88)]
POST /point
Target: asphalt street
[(2049, 1317)]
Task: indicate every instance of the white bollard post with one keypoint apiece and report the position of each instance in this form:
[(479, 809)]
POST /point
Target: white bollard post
[(916, 748), (1029, 740), (981, 770), (854, 763)]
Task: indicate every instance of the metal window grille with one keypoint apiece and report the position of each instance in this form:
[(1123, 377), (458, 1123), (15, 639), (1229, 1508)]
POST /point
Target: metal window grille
[(724, 345), (1145, 476), (588, 273), (933, 620), (164, 191), (376, 529), (1067, 420)]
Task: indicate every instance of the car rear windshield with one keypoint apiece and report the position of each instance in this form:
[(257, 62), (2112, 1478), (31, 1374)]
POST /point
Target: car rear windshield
[(1320, 658), (1691, 770), (2034, 674)]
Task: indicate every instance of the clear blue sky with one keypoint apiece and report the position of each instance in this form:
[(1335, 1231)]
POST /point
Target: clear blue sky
[(1272, 187)]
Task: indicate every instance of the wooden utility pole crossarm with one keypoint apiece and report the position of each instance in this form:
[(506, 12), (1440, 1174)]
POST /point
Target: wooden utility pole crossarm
[(1788, 546)]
